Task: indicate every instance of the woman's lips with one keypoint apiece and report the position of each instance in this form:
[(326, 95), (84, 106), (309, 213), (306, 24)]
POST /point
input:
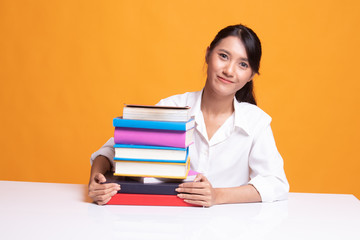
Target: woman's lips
[(224, 80)]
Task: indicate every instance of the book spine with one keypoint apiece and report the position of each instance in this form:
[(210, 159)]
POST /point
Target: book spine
[(148, 147), (162, 125), (119, 170), (147, 200), (149, 160), (149, 137), (141, 188), (149, 175)]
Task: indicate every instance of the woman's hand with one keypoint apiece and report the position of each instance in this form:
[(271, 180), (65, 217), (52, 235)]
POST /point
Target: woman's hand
[(102, 193), (199, 192)]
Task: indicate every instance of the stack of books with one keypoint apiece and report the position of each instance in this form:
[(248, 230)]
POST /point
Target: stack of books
[(152, 142)]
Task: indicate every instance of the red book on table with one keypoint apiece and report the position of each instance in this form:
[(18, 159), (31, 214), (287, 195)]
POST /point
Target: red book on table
[(148, 200)]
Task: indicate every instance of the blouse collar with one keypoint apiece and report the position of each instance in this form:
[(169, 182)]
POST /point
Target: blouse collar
[(239, 112)]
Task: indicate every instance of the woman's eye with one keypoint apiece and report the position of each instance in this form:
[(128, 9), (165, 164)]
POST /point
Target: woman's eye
[(223, 55), (244, 65)]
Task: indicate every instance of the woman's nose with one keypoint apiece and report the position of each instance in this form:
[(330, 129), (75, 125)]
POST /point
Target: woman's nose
[(228, 69)]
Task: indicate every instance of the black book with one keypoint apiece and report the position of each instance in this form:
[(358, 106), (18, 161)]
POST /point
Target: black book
[(136, 186)]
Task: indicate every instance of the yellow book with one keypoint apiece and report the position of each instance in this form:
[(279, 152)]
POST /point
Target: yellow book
[(152, 169)]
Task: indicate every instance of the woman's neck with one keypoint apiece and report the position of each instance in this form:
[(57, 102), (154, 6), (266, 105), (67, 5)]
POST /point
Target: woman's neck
[(215, 109), (214, 105)]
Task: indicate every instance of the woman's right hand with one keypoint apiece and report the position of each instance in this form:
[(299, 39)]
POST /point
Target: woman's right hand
[(102, 193)]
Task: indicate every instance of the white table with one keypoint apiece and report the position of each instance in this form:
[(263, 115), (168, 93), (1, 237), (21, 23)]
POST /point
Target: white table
[(63, 211)]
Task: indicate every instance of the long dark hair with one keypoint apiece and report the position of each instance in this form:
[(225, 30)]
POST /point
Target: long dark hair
[(253, 50)]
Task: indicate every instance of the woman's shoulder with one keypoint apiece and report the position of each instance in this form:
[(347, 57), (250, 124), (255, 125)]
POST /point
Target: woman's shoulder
[(252, 116), (185, 99), (252, 109)]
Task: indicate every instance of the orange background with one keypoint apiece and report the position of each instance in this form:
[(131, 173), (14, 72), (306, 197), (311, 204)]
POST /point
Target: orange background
[(67, 67)]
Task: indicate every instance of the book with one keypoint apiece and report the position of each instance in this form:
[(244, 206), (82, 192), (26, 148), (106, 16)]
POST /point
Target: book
[(148, 200), (147, 185), (132, 186), (150, 153), (189, 178), (137, 186), (153, 137), (156, 113), (152, 169), (147, 124)]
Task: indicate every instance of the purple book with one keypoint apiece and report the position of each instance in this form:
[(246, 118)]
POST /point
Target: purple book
[(153, 137)]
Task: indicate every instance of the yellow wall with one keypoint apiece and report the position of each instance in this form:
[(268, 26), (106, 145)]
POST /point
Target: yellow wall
[(67, 67)]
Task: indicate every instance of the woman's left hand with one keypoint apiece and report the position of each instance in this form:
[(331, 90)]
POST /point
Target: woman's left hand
[(199, 192)]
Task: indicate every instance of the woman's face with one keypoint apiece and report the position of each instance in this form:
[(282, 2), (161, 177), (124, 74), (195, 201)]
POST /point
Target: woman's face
[(228, 67)]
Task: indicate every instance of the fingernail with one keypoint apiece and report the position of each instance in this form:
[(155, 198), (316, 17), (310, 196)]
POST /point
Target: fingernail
[(179, 195), (177, 189)]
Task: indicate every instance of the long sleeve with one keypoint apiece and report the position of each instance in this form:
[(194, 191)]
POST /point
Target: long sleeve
[(107, 150), (266, 168)]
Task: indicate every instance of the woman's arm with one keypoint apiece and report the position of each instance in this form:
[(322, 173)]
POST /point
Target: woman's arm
[(266, 165), (101, 193), (200, 192), (242, 194), (100, 165)]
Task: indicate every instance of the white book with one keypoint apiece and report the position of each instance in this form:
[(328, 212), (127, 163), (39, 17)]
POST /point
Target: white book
[(152, 169), (190, 178), (156, 113), (150, 153)]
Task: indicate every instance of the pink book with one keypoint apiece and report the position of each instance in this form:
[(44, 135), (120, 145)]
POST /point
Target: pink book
[(153, 137)]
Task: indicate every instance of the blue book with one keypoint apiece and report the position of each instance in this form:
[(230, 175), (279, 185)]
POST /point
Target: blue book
[(125, 152), (147, 124)]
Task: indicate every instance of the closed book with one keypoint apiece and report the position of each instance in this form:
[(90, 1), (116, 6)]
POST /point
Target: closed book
[(153, 137), (150, 153), (146, 185), (190, 178), (147, 124), (128, 185), (148, 200), (151, 169), (156, 113)]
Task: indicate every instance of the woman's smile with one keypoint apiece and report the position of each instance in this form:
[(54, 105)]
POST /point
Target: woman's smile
[(224, 80)]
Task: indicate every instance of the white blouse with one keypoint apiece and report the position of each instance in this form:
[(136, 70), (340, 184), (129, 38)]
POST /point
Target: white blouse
[(242, 151)]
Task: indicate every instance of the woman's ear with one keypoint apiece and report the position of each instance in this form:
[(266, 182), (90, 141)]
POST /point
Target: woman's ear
[(252, 76), (207, 54)]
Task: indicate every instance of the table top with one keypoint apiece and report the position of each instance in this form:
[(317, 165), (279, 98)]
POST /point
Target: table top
[(63, 211)]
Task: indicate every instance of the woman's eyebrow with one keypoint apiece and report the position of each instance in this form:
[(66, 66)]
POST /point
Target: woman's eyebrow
[(228, 53)]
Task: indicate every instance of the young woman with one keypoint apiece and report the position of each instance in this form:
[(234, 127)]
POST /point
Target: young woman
[(234, 147)]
